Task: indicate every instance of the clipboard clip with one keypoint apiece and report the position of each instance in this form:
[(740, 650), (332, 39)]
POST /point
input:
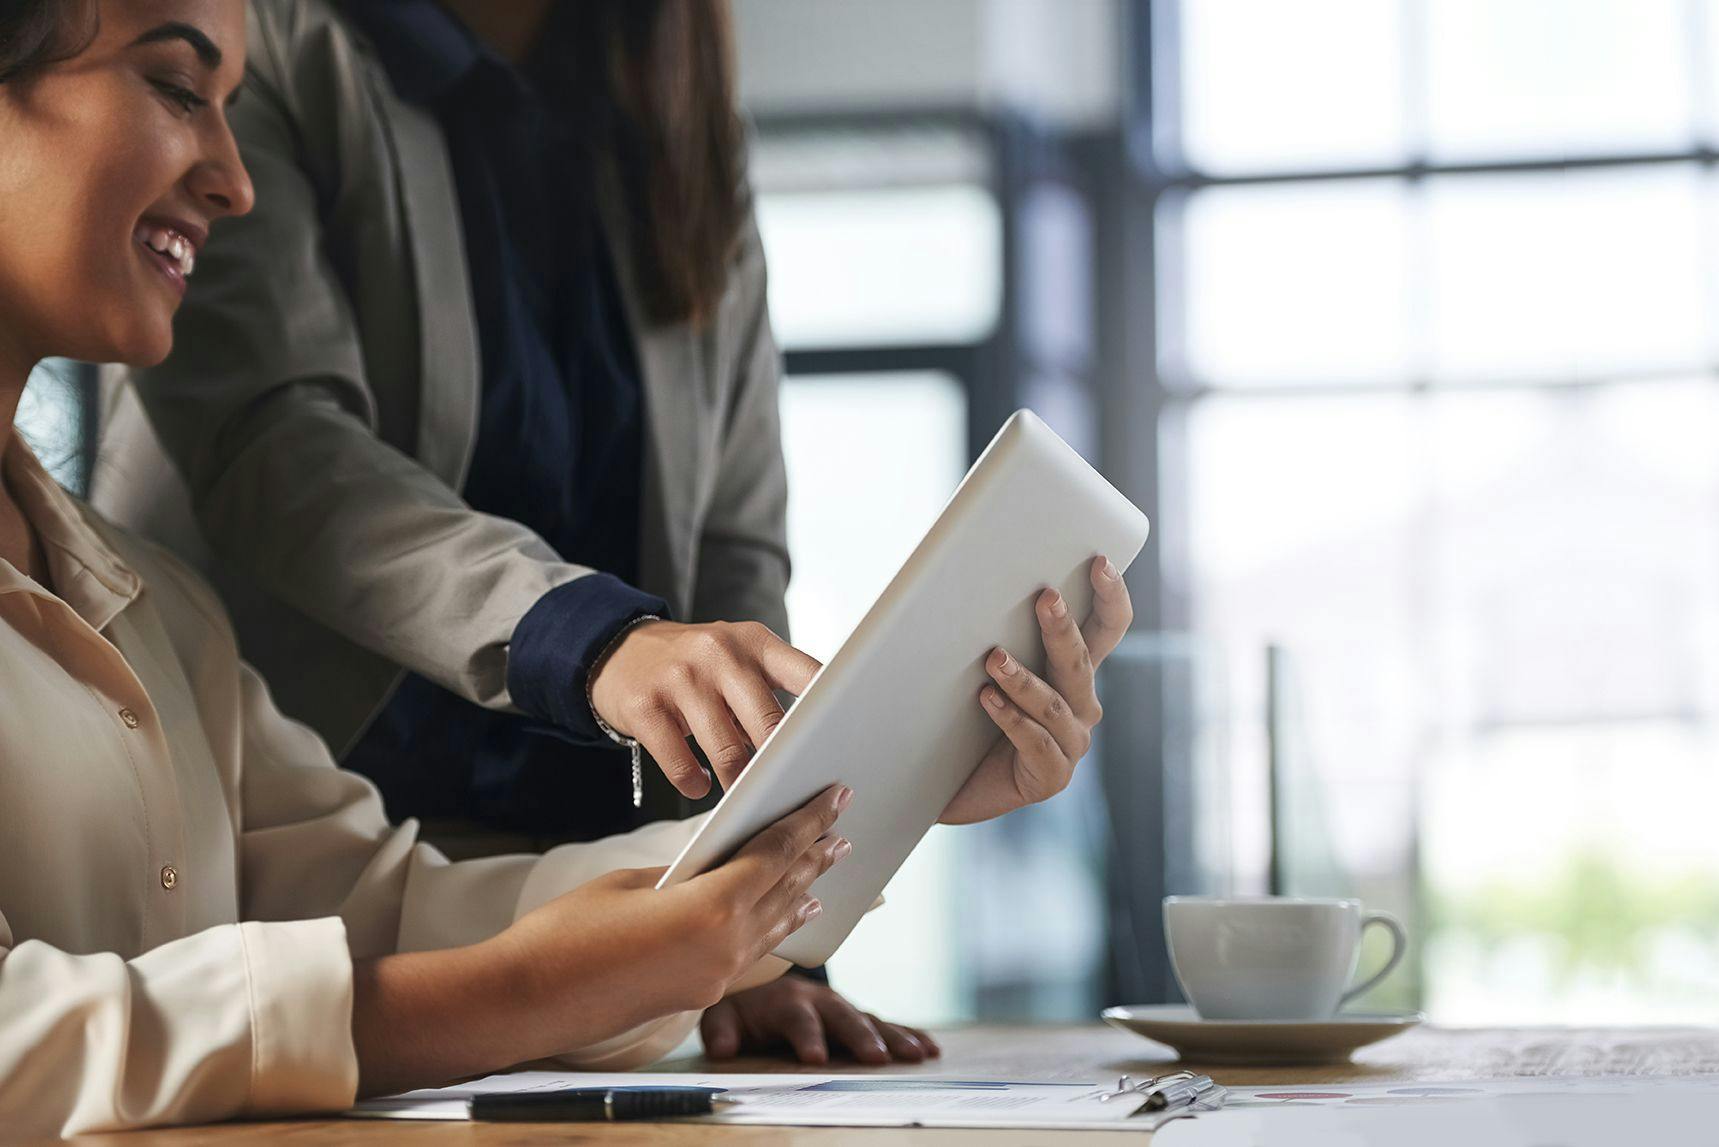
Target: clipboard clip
[(1127, 1085), (1177, 1089)]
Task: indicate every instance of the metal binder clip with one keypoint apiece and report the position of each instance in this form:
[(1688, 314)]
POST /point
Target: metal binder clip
[(1127, 1085), (1183, 1091)]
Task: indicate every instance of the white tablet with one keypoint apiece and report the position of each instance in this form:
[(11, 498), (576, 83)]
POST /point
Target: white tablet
[(895, 713)]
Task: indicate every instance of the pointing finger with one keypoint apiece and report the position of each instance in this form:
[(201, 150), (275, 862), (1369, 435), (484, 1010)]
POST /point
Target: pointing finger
[(784, 666)]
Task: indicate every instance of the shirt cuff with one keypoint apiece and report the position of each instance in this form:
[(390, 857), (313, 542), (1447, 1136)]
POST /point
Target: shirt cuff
[(558, 639), (299, 974)]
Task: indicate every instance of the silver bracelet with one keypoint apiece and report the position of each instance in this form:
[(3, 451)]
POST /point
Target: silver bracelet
[(629, 743)]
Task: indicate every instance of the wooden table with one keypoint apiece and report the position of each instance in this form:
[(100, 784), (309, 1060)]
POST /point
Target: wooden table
[(1050, 1053)]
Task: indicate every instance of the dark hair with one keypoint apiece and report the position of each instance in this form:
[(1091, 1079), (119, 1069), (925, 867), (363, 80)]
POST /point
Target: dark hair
[(652, 82), (35, 34)]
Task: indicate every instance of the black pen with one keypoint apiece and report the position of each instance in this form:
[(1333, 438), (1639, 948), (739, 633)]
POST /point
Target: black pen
[(595, 1104)]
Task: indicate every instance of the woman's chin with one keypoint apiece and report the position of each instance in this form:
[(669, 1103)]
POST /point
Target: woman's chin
[(154, 356), (146, 346), (140, 327)]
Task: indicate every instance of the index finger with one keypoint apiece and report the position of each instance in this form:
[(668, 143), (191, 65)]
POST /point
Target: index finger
[(784, 666), (760, 865)]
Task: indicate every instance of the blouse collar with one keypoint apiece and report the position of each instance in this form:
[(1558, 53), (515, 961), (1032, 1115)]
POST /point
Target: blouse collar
[(85, 571)]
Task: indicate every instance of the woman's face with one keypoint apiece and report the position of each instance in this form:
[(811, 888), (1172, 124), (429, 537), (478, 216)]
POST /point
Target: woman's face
[(113, 165)]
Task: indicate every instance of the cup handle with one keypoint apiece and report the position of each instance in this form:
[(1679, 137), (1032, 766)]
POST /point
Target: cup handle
[(1399, 946)]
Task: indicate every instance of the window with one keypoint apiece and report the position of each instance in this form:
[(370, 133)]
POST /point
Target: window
[(1437, 340), (892, 265), (886, 237)]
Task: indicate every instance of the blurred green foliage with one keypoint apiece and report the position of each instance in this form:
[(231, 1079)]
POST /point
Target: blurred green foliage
[(1604, 915)]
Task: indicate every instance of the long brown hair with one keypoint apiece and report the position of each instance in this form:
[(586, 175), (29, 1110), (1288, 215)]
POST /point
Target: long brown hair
[(37, 33), (652, 82)]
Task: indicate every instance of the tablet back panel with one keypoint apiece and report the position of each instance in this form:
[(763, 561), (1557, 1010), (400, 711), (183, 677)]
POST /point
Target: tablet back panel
[(895, 714)]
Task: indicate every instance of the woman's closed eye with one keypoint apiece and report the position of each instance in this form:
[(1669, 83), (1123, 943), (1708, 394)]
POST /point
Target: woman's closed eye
[(188, 100)]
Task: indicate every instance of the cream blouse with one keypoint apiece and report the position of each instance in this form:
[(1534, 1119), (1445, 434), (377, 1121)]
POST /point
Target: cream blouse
[(185, 875)]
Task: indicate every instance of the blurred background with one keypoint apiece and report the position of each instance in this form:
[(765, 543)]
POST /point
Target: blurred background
[(1399, 318)]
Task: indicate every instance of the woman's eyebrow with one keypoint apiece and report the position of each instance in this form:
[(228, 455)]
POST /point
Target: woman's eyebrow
[(175, 30)]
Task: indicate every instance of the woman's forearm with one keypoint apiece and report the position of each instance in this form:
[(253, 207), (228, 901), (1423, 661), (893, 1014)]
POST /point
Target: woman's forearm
[(421, 1019), (592, 964)]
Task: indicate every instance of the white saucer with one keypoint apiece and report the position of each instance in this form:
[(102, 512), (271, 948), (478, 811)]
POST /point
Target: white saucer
[(1260, 1041)]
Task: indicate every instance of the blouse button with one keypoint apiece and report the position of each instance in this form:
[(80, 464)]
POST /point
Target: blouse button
[(130, 719), (169, 877)]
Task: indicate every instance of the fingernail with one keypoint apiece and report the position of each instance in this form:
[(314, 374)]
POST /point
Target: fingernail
[(844, 797), (814, 910), (1007, 665), (1058, 607), (992, 698), (843, 847), (1109, 570)]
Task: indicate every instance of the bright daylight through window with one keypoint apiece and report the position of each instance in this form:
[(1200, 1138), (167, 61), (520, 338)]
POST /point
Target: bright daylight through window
[(1453, 444)]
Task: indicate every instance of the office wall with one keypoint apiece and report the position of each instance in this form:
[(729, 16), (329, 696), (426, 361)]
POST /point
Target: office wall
[(1056, 59)]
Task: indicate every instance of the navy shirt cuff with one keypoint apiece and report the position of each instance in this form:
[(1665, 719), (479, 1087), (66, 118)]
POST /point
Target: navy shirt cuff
[(556, 642)]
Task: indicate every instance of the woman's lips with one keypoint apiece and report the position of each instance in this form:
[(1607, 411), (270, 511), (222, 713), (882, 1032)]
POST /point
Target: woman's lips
[(172, 252), (165, 265)]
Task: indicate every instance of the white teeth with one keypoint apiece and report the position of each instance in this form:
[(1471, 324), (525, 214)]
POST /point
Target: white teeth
[(169, 244)]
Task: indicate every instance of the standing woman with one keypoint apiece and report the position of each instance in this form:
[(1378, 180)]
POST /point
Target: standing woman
[(477, 416), (200, 915)]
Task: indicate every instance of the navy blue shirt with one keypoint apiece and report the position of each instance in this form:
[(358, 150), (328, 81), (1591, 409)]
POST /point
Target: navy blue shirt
[(559, 447)]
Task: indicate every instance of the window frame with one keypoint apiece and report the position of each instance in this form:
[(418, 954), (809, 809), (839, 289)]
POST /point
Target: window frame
[(1149, 282)]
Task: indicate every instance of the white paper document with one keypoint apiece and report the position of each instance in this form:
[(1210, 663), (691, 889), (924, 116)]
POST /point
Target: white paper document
[(819, 1100), (1520, 1112)]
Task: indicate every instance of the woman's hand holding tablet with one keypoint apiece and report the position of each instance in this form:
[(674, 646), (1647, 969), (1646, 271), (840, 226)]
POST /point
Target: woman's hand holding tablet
[(1047, 725), (901, 713)]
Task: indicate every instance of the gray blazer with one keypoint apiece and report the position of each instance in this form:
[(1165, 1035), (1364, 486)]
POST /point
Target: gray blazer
[(320, 407)]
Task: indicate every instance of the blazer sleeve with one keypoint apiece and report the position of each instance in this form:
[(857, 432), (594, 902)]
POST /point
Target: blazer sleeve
[(266, 410), (743, 564)]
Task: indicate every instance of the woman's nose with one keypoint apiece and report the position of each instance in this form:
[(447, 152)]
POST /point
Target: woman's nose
[(221, 180)]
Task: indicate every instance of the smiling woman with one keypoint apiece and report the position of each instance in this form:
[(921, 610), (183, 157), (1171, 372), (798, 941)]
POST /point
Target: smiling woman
[(200, 915), (119, 156)]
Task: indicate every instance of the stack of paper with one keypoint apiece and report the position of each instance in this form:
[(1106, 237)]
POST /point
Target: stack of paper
[(820, 1100), (1565, 1112)]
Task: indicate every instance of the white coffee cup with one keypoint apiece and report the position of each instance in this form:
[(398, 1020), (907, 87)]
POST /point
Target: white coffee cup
[(1271, 957)]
